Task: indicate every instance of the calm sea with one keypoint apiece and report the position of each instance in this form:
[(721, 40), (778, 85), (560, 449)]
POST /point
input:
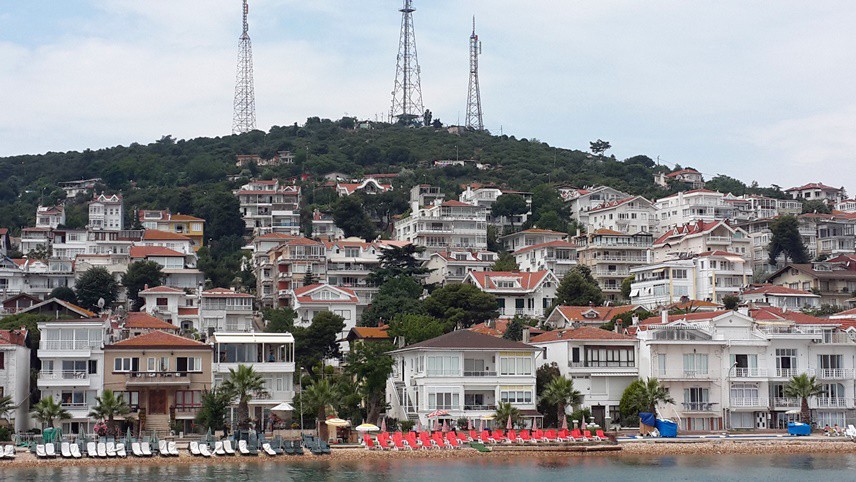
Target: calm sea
[(588, 469)]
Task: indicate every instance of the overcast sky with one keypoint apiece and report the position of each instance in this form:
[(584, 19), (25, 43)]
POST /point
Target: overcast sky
[(757, 90)]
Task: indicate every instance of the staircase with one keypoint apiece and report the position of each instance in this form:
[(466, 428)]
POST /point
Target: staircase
[(157, 423)]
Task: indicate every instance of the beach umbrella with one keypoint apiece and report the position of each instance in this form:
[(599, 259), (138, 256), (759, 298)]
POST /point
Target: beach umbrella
[(438, 413), (445, 425), (383, 424), (418, 424), (283, 409), (565, 422), (480, 425), (508, 425), (436, 424), (367, 427), (337, 422)]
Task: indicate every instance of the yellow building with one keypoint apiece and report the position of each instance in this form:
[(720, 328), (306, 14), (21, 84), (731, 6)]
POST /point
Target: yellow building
[(190, 226)]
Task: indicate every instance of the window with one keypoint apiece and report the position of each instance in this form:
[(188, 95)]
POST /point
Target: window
[(2, 360), (515, 396), (473, 367), (188, 364), (515, 365), (132, 398), (126, 365), (610, 356), (187, 399), (73, 398), (444, 366), (443, 401), (161, 302), (695, 364)]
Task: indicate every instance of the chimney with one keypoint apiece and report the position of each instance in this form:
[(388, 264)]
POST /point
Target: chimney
[(526, 335), (664, 317)]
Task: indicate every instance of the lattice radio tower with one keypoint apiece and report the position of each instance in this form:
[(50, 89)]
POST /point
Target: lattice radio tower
[(244, 117), (474, 109), (407, 94)]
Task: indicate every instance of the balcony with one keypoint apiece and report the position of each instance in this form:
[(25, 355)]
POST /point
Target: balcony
[(158, 378), (743, 402), (65, 378), (187, 410), (719, 240), (786, 402), (749, 373), (679, 374), (480, 374), (592, 364), (785, 372), (480, 407), (832, 373), (68, 348), (698, 406), (832, 402)]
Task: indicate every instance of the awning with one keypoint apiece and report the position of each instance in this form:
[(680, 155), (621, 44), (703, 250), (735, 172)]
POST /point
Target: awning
[(282, 407), (634, 293)]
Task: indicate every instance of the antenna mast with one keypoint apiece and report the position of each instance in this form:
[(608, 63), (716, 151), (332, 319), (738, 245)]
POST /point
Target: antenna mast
[(407, 94), (244, 116), (474, 108)]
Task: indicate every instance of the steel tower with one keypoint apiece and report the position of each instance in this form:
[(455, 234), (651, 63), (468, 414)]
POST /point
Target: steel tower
[(474, 108), (407, 94), (244, 116)]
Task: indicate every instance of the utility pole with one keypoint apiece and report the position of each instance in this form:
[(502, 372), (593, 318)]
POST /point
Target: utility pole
[(407, 94), (244, 114), (474, 108)]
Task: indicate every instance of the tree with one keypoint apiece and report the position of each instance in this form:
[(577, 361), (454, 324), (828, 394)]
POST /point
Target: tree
[(213, 408), (560, 392), (396, 262), (317, 397), (396, 296), (222, 213), (107, 407), (139, 275), (626, 286), (504, 410), (309, 278), (815, 206), (803, 387), (370, 366), (509, 205), (543, 376), (730, 302), (579, 288), (94, 284), (786, 239), (514, 330), (644, 396), (350, 217), (64, 293), (599, 146), (279, 320), (505, 262), (6, 405), (461, 305), (244, 384), (318, 341), (416, 328), (46, 410)]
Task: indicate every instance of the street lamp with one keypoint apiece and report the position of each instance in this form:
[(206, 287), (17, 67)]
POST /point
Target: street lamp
[(300, 385), (725, 409)]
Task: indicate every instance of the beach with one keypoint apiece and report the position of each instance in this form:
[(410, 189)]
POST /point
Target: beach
[(652, 447)]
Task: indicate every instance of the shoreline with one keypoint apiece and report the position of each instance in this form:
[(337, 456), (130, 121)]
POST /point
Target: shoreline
[(350, 455)]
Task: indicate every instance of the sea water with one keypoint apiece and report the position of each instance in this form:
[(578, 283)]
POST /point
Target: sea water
[(516, 469)]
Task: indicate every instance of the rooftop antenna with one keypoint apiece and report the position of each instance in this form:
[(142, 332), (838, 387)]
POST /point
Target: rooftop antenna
[(474, 109), (244, 116), (407, 93)]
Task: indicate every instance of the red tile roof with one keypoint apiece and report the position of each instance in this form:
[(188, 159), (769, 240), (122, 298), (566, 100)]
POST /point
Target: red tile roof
[(498, 328), (769, 313), (528, 280), (369, 332), (157, 235), (682, 171), (608, 232), (145, 321), (581, 333), (777, 290), (158, 339), (697, 227), (467, 339), (603, 313), (697, 316), (13, 337), (146, 251), (684, 305), (813, 185), (161, 290)]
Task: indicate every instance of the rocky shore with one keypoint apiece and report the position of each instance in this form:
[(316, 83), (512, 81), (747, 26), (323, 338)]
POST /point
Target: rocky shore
[(630, 448)]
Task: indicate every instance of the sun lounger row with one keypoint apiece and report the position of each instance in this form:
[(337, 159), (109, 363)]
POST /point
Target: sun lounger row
[(7, 452), (453, 440)]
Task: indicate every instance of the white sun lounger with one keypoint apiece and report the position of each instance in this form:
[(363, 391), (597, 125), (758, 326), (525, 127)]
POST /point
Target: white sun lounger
[(110, 448), (136, 450), (91, 450), (50, 450), (205, 450), (242, 447), (268, 449), (162, 448), (147, 449), (40, 451), (9, 453), (194, 448), (75, 450), (65, 450), (102, 449), (120, 450), (227, 446), (218, 448), (172, 449)]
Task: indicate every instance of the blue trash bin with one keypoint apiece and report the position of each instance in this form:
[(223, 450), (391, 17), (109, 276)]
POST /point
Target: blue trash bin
[(797, 428)]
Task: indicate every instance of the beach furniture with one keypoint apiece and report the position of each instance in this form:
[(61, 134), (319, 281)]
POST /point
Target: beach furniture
[(242, 448), (473, 435), (298, 447), (172, 448), (425, 440), (65, 450), (369, 443), (50, 450), (600, 435), (511, 437), (398, 442), (227, 447), (268, 449), (40, 451), (91, 450), (102, 449), (438, 439), (120, 450), (9, 452), (218, 448), (577, 436), (452, 440), (463, 437), (484, 436), (563, 436), (525, 436), (193, 447), (162, 448), (146, 447), (138, 451), (205, 450), (110, 449), (410, 438), (75, 450), (288, 447), (550, 436), (587, 434)]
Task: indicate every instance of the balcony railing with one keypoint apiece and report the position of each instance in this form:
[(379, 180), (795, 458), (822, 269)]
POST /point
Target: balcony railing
[(786, 402), (831, 402), (479, 407), (158, 377), (749, 402), (69, 345), (594, 364), (719, 239), (64, 375), (187, 408), (698, 406), (786, 372), (832, 373), (690, 374), (750, 373), (479, 374), (74, 405)]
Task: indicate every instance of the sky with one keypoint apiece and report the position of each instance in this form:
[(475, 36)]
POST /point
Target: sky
[(761, 91)]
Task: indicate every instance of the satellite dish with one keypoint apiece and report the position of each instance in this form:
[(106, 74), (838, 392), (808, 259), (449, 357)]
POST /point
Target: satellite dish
[(101, 303)]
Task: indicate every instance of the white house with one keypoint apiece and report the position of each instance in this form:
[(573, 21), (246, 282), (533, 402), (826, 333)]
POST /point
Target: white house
[(700, 237), (692, 206), (453, 266), (780, 297), (449, 225), (601, 364), (818, 191), (530, 237), (223, 309), (15, 376), (367, 186), (270, 206), (316, 298), (106, 213), (485, 196), (165, 239), (50, 216), (464, 373), (581, 201), (556, 256), (518, 293), (172, 305), (629, 215)]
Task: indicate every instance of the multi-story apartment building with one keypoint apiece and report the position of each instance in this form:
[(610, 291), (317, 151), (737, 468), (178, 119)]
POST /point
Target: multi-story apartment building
[(272, 356), (601, 364), (35, 277), (106, 213), (69, 243), (50, 217), (834, 279), (36, 239), (165, 239), (71, 352), (453, 266), (309, 301), (289, 264), (530, 237), (425, 195), (818, 191), (688, 177), (161, 376), (324, 228), (556, 256), (518, 293), (464, 373), (179, 269), (172, 305), (270, 206), (349, 263), (610, 255), (581, 201), (629, 215), (780, 297), (701, 237), (710, 276), (836, 236), (222, 309), (846, 205), (690, 207), (485, 196), (449, 225), (15, 376), (190, 226)]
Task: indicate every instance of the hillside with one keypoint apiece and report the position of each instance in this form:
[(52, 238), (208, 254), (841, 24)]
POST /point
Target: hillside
[(191, 176)]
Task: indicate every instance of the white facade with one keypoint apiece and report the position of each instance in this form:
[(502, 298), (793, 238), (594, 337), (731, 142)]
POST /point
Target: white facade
[(702, 237), (780, 297), (629, 215), (817, 191), (556, 256), (453, 266), (847, 205), (581, 201), (270, 206), (450, 225), (530, 237), (225, 310), (611, 255), (518, 293), (485, 196), (311, 300), (106, 213), (50, 216), (349, 263), (15, 376), (692, 206)]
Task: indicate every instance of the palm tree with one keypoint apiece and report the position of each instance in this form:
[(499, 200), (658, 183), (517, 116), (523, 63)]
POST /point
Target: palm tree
[(244, 384), (803, 387), (650, 393), (46, 410), (6, 405), (560, 392), (107, 407), (504, 411), (317, 398)]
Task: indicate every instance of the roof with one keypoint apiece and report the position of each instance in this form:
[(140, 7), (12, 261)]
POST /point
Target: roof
[(847, 312), (454, 203), (769, 313), (83, 312), (13, 337), (252, 337), (697, 227), (145, 321), (813, 185), (276, 236), (608, 232), (684, 305), (369, 333), (581, 333), (537, 231), (616, 203), (158, 339), (304, 294), (469, 340), (550, 244), (499, 327), (778, 290), (161, 290), (224, 292), (529, 280), (157, 235), (682, 171), (696, 316), (146, 251), (4, 231), (603, 313), (717, 252), (809, 270)]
